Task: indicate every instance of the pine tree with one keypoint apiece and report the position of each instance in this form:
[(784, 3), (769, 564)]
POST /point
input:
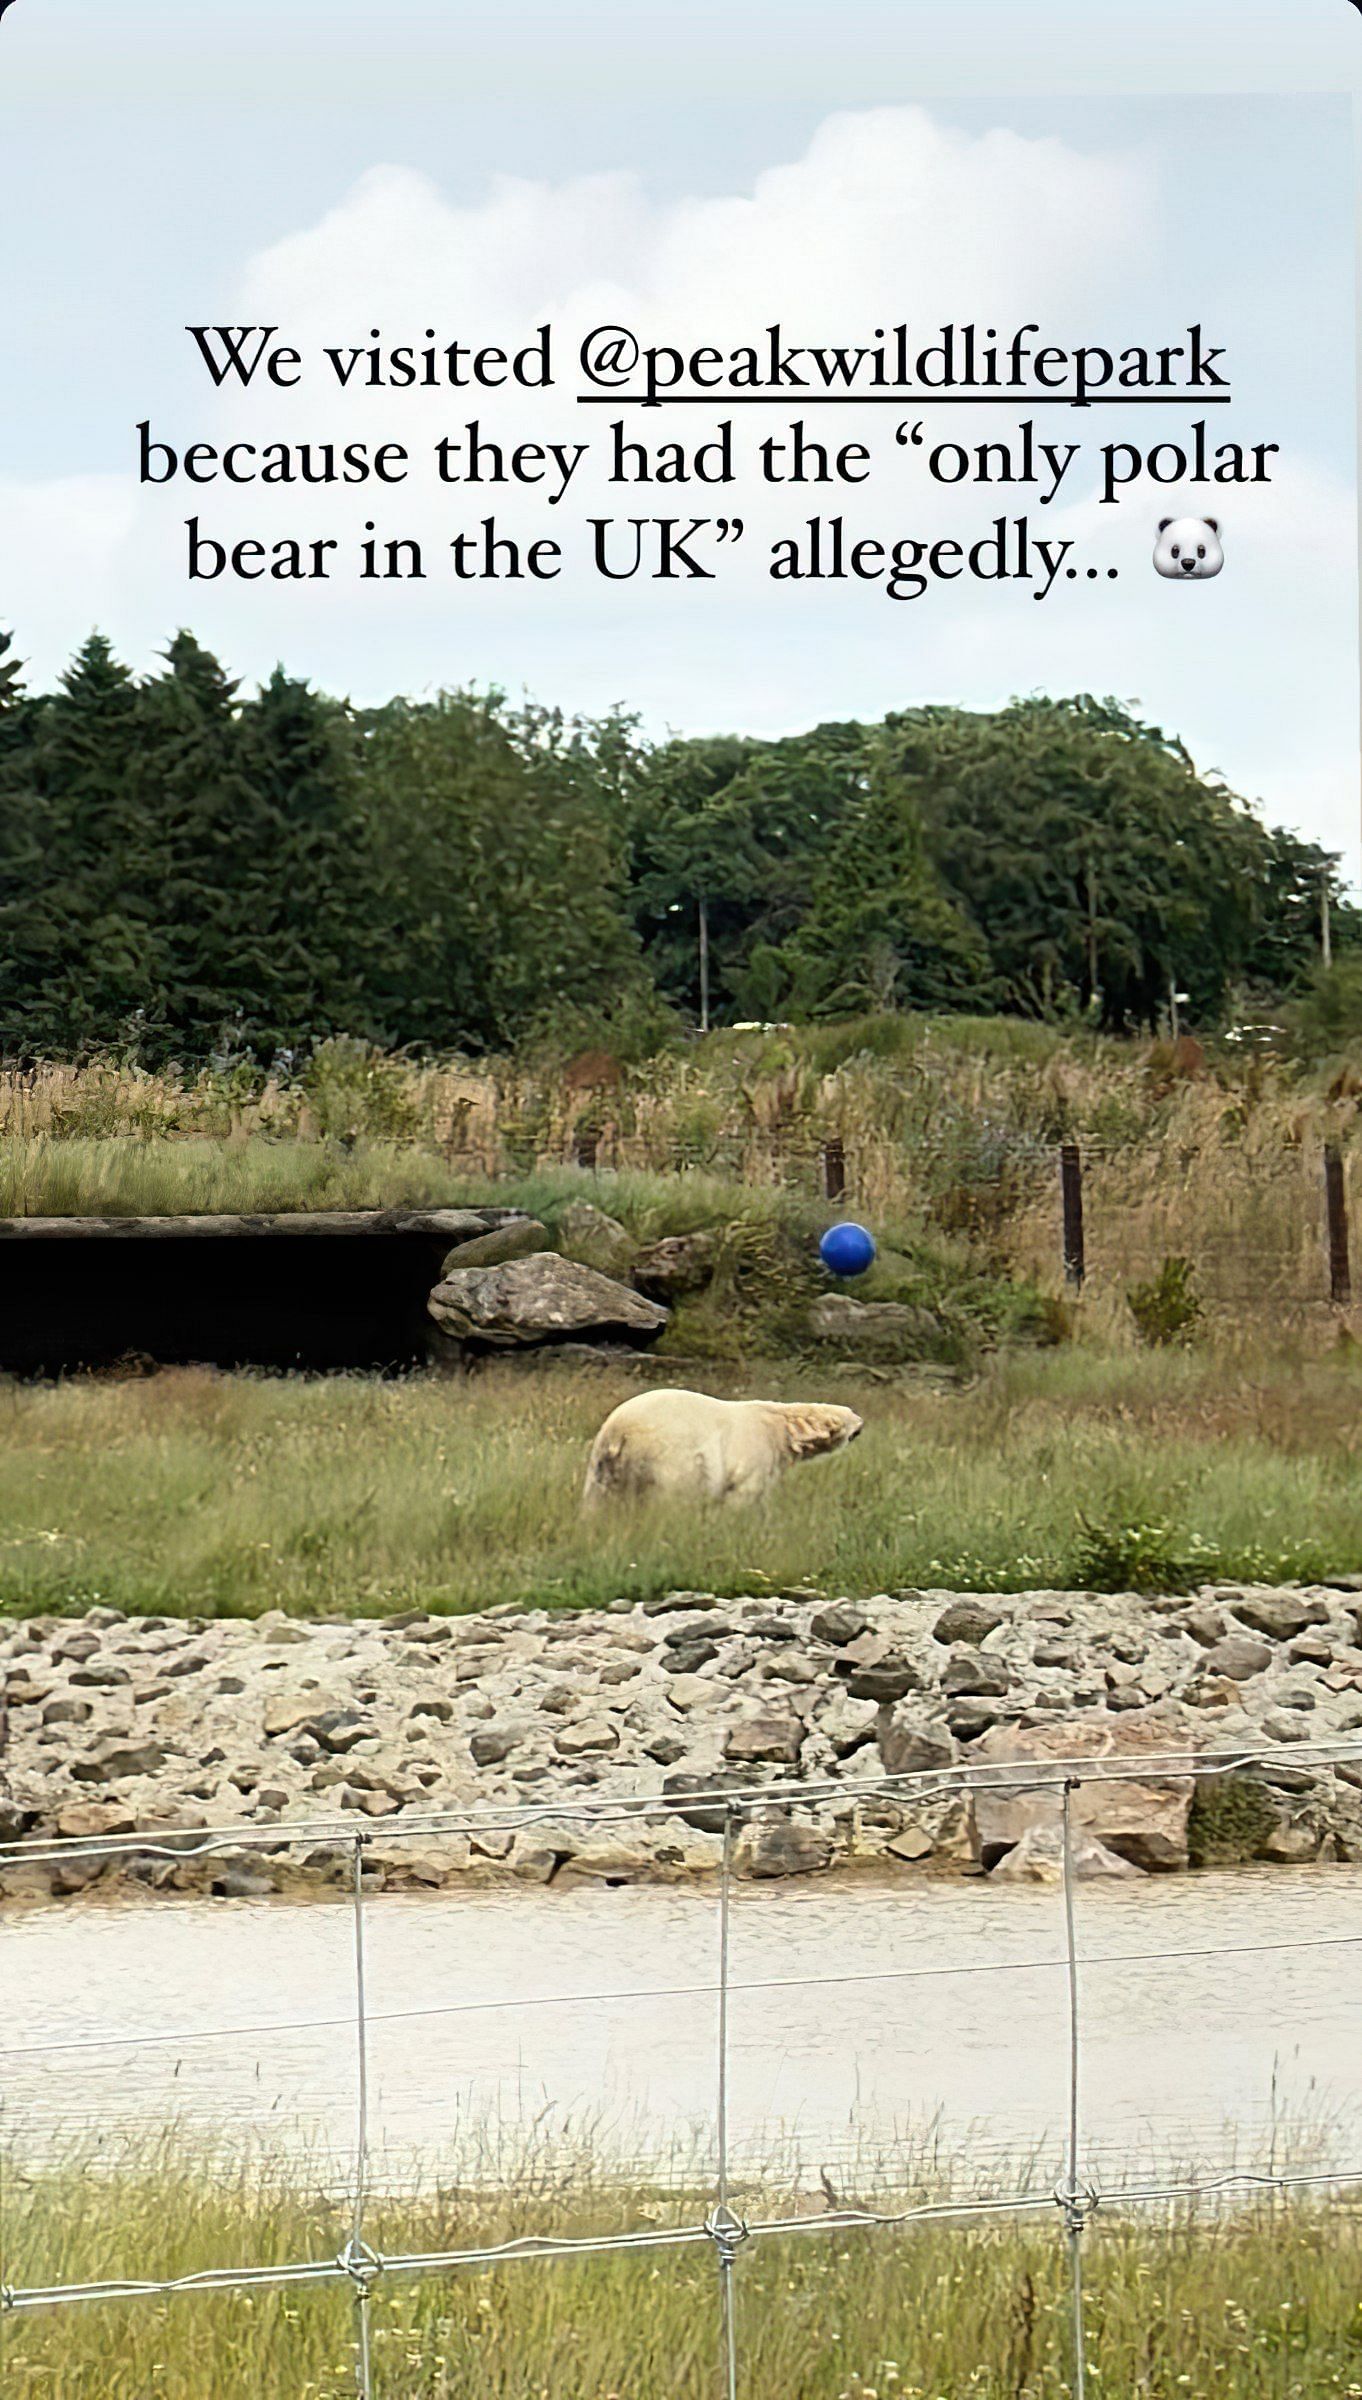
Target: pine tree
[(218, 843), (98, 899), (25, 927), (298, 753)]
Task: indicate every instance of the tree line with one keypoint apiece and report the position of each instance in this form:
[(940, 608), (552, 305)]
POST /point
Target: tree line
[(187, 871)]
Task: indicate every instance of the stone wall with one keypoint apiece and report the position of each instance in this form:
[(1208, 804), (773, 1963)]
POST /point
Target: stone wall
[(119, 1724)]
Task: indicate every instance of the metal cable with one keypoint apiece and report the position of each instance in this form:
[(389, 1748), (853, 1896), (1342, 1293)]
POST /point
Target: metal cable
[(1181, 1765), (724, 2230)]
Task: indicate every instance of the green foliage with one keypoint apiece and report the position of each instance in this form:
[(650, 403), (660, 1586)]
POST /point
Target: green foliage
[(1327, 1016), (188, 873), (1231, 1818), (1166, 1309), (1138, 1554)]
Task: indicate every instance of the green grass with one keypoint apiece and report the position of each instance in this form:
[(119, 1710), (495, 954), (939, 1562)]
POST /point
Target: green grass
[(199, 1494), (1262, 2306)]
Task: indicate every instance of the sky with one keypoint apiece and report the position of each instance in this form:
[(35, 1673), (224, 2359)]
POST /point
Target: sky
[(1115, 173)]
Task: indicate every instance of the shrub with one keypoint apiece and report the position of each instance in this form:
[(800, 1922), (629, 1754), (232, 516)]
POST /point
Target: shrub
[(1166, 1309), (1139, 1555), (1231, 1818)]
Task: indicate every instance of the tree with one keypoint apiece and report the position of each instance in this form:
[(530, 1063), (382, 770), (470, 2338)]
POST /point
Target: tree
[(300, 758), (219, 844), (1102, 871), (92, 902), (498, 871), (879, 932)]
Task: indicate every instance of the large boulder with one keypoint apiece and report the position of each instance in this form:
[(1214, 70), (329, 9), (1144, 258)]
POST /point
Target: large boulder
[(540, 1299), (1143, 1817), (517, 1238)]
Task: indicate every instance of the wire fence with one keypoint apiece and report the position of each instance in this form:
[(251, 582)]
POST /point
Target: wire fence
[(1078, 2192)]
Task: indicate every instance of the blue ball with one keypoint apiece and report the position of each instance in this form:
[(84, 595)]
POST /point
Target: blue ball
[(847, 1249)]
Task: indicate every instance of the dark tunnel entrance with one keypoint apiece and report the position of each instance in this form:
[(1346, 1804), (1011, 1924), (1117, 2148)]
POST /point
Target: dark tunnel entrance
[(312, 1292)]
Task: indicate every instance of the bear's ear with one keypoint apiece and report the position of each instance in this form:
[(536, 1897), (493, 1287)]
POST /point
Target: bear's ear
[(1164, 523), (1214, 523)]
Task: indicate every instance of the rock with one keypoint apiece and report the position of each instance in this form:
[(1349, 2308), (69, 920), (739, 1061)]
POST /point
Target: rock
[(1039, 1858), (280, 1631), (542, 1298), (90, 1820), (67, 1712), (288, 1712), (777, 1740), (969, 1671), (242, 1883), (967, 1621), (1145, 1821), (586, 1233), (690, 1691), (839, 1625), (969, 1718), (914, 1745), (1204, 1624), (1278, 1614), (686, 1653), (912, 1844), (670, 1269), (1239, 1656), (884, 1325), (337, 1729), (773, 1847), (514, 1240), (118, 1761), (848, 1724), (1292, 1843), (885, 1679), (490, 1748), (584, 1739)]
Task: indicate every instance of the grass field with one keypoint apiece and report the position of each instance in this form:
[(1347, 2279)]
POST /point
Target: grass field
[(1258, 2307), (196, 1494)]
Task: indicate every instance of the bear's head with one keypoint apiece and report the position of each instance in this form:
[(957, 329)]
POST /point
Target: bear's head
[(813, 1426), (1188, 547)]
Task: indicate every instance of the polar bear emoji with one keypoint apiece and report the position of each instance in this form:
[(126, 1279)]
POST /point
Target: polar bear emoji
[(1188, 547), (683, 1445)]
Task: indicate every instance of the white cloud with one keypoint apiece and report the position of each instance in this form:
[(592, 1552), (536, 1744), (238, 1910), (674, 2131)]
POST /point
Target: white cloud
[(888, 216)]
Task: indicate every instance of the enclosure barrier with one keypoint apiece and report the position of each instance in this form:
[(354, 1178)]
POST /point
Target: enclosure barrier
[(1077, 2195)]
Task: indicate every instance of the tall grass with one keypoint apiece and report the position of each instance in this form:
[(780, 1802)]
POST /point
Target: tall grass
[(1258, 2307), (949, 1126), (198, 1494)]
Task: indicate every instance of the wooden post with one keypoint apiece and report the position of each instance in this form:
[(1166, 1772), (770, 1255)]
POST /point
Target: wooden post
[(1071, 1194), (704, 964), (834, 1169), (1336, 1212)]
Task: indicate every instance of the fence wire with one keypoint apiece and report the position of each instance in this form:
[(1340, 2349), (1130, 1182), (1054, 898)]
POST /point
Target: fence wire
[(725, 2231)]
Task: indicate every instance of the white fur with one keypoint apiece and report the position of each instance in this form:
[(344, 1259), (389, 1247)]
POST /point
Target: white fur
[(1188, 549), (685, 1445)]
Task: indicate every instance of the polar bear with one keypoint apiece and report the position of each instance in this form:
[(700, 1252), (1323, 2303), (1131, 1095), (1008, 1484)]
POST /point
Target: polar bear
[(1189, 547), (684, 1445)]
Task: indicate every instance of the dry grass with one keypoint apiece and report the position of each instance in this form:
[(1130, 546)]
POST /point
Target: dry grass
[(950, 1128)]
